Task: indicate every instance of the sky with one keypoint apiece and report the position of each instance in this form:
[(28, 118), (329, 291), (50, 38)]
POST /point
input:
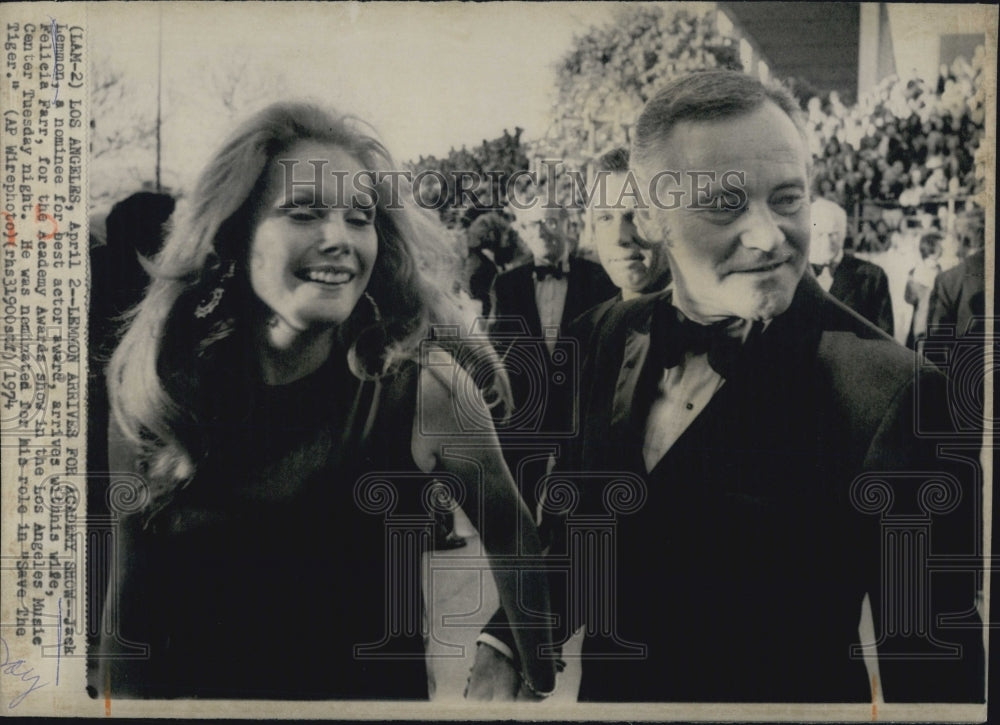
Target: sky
[(427, 76)]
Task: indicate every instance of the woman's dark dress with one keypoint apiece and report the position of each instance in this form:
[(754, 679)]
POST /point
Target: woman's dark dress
[(262, 576)]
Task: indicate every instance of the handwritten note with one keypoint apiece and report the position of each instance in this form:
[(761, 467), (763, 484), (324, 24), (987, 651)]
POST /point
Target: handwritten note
[(21, 671)]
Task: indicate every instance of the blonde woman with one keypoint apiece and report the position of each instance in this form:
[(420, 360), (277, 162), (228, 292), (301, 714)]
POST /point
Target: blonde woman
[(270, 394)]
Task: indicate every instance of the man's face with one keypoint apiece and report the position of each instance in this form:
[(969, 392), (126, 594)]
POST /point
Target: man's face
[(970, 234), (632, 263), (744, 262), (827, 234), (545, 232), (574, 225)]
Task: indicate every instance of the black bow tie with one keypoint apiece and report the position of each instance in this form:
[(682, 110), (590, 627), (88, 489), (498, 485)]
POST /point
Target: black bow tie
[(818, 268), (675, 335), (549, 270)]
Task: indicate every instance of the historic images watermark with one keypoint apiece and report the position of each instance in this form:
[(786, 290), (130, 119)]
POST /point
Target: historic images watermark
[(523, 190)]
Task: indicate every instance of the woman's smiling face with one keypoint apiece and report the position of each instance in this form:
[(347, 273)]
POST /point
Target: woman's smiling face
[(313, 243)]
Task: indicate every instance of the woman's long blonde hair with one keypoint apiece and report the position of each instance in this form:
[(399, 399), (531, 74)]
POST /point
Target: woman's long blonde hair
[(166, 375)]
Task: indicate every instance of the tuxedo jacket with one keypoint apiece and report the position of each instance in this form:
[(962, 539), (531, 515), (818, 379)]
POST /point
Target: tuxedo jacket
[(543, 385), (583, 326), (514, 293), (735, 570), (864, 288), (958, 295)]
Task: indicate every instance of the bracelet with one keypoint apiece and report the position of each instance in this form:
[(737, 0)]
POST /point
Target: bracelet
[(527, 684)]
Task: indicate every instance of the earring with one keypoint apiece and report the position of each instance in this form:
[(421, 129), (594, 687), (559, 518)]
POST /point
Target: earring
[(368, 352), (208, 306), (375, 309)]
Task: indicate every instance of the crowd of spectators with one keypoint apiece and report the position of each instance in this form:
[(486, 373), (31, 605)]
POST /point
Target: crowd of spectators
[(907, 145), (893, 160)]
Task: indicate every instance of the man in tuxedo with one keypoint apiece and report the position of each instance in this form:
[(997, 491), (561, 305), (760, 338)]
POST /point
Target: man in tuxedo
[(958, 296), (635, 266), (861, 285), (533, 304), (760, 458), (957, 320)]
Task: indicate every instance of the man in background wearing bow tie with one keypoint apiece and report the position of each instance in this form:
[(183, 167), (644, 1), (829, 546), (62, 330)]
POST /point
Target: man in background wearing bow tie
[(533, 304), (861, 285), (774, 446)]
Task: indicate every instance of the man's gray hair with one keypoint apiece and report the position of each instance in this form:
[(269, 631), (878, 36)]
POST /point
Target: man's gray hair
[(706, 96), (614, 161)]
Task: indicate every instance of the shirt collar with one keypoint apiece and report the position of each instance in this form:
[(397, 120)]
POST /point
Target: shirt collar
[(739, 327), (563, 262), (835, 262)]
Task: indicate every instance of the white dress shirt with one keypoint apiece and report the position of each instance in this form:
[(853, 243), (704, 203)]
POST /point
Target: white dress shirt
[(683, 393), (550, 300), (825, 276)]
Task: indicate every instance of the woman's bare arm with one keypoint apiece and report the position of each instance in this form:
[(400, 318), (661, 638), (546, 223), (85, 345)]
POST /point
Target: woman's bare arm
[(491, 502)]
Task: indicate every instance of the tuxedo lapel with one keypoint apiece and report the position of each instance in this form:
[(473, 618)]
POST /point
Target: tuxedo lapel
[(634, 387), (633, 363), (622, 374), (588, 287), (752, 409), (843, 286), (575, 292), (524, 300), (713, 425)]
